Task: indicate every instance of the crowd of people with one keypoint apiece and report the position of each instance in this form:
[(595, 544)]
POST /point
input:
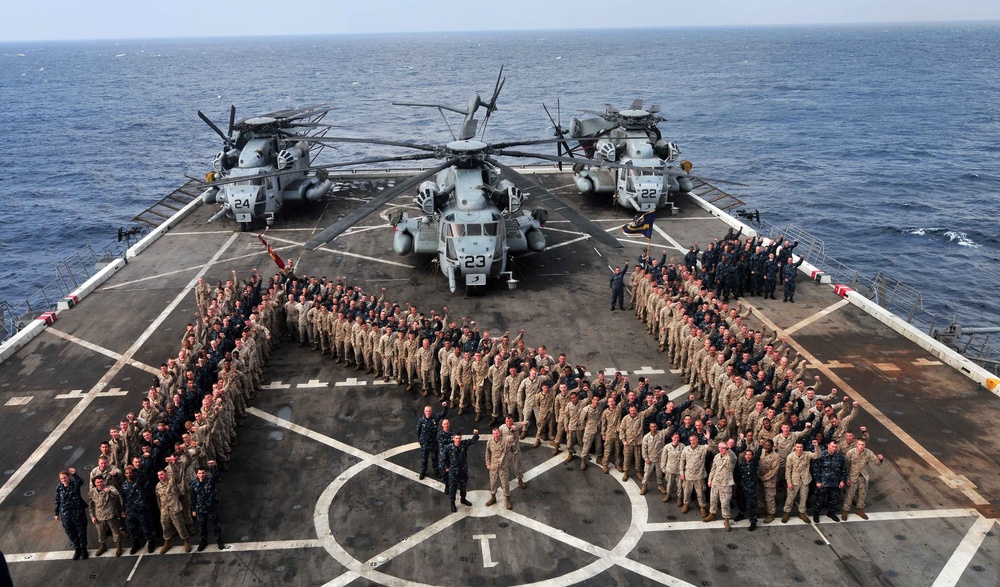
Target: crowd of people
[(157, 471), (753, 425)]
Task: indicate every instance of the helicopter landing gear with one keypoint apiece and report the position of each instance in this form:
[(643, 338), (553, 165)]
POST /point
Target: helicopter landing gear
[(246, 226), (472, 291)]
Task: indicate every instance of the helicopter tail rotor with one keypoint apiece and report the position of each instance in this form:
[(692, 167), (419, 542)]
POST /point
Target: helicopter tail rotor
[(491, 106)]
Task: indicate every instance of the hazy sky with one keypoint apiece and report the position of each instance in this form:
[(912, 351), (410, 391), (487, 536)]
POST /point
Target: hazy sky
[(126, 19)]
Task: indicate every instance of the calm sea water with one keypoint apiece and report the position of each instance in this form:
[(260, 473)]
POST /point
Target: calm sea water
[(882, 140)]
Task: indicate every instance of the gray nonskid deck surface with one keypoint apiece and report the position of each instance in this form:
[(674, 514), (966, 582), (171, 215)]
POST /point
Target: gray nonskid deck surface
[(323, 487)]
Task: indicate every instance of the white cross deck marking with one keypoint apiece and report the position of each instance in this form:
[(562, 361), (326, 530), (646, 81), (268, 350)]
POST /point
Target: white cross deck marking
[(99, 349), (19, 401), (59, 555), (484, 542), (817, 316), (351, 381), (679, 392), (953, 570), (946, 473), (646, 370), (834, 364), (86, 399), (78, 393), (313, 383), (886, 366), (276, 385)]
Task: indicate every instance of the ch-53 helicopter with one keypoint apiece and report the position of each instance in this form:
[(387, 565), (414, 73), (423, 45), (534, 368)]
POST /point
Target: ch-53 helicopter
[(265, 163), (472, 204), (646, 178)]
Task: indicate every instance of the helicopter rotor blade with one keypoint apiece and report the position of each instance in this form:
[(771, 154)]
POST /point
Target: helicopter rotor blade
[(570, 160), (238, 179), (211, 124), (232, 121), (636, 104), (562, 144), (371, 142), (355, 216), (492, 105), (572, 214)]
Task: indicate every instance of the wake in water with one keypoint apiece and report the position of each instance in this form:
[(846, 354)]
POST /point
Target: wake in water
[(955, 236)]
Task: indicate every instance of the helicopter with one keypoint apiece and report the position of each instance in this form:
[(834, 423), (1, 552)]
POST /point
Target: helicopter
[(647, 177), (264, 163), (473, 217)]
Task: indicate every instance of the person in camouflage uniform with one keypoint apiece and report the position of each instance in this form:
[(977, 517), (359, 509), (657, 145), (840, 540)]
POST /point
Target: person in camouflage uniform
[(137, 518), (831, 478), (205, 506), (747, 480), (106, 508), (427, 436), (858, 459), (71, 510), (456, 460), (497, 455)]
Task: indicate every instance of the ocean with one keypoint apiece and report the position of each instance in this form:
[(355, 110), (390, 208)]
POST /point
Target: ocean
[(882, 141)]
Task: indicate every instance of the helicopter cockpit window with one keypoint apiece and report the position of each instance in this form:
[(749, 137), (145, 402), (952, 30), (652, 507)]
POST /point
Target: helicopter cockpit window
[(490, 229), (473, 230), (457, 229)]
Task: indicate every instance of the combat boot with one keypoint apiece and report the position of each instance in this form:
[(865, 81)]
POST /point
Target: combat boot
[(710, 518), (165, 547), (583, 464), (661, 348), (680, 501), (118, 548), (424, 393), (524, 434), (555, 450), (453, 508), (492, 500), (604, 468), (768, 519), (77, 554), (101, 550), (149, 547), (805, 518), (187, 545), (507, 502), (203, 544), (220, 543), (642, 490), (135, 547), (725, 522), (843, 516), (569, 457), (753, 526), (478, 417), (625, 476), (538, 442), (661, 488), (704, 512), (666, 499), (861, 513), (784, 517), (521, 483), (461, 409), (685, 509), (833, 516)]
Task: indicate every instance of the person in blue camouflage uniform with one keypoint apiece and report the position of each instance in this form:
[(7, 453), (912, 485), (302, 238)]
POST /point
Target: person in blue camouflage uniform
[(427, 436), (769, 276), (746, 484), (444, 436), (617, 284), (138, 521), (205, 506), (71, 510), (830, 479), (789, 273), (456, 462)]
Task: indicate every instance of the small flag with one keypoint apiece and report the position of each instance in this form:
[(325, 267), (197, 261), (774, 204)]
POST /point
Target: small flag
[(270, 251), (641, 224)]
